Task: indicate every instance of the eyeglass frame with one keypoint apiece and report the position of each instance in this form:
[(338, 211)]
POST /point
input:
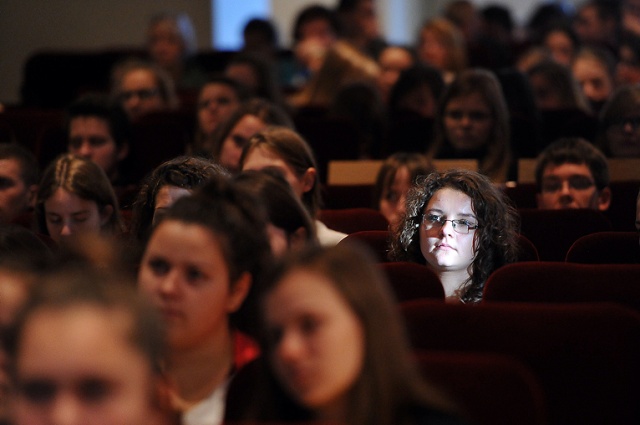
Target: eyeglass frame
[(142, 94), (454, 223)]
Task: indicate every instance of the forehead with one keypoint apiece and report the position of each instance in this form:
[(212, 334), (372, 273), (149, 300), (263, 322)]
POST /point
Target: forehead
[(566, 170), (10, 167), (468, 101), (217, 88), (89, 124), (139, 77), (448, 199)]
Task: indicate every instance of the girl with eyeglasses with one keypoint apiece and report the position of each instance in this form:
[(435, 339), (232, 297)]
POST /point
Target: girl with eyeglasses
[(620, 123), (462, 226)]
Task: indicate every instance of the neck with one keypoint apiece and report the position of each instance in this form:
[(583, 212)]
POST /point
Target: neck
[(335, 412), (197, 371)]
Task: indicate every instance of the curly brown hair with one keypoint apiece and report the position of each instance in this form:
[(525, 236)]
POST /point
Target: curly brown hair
[(495, 241)]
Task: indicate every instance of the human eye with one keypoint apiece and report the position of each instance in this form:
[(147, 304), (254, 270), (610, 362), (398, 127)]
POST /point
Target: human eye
[(580, 182), (194, 275), (81, 217), (158, 266), (38, 391), (454, 114), (433, 218), (478, 116), (309, 324), (75, 143), (6, 183), (54, 219), (97, 141), (224, 101), (93, 389), (204, 103), (551, 185), (392, 196), (239, 141)]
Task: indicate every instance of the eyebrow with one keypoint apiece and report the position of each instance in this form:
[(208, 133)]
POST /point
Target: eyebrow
[(442, 212)]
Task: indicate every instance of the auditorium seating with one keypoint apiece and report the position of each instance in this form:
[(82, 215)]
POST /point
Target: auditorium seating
[(351, 220), (558, 282), (411, 281), (584, 356), (606, 248)]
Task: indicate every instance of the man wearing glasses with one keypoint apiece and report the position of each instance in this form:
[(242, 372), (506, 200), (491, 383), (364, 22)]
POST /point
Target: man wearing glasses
[(572, 173)]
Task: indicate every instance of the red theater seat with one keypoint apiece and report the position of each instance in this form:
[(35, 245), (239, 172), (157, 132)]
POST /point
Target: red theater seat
[(605, 248)]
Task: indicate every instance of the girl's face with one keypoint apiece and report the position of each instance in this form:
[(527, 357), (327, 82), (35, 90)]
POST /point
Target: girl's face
[(317, 341), (261, 157), (468, 122), (432, 51), (561, 47), (443, 247), (217, 102), (623, 137), (67, 214), (594, 79), (185, 274), (393, 201), (77, 365), (238, 137)]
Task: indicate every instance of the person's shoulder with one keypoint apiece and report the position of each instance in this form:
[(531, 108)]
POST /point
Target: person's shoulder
[(429, 416)]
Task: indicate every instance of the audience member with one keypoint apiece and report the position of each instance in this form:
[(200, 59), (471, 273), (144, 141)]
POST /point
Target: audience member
[(74, 198), (18, 184), (290, 226), (86, 349), (260, 37), (620, 123), (597, 22), (315, 31), (442, 46), (417, 91), (201, 269), (232, 136), (628, 67), (257, 74), (218, 99), (286, 150), (464, 15), (481, 237), (630, 16), (359, 26), (166, 184), (473, 122), (396, 176), (555, 88), (142, 87), (572, 173), (335, 298), (563, 44), (100, 131), (594, 69), (172, 45), (392, 61), (343, 64)]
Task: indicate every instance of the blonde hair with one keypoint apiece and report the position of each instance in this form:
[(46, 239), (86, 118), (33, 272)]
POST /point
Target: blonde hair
[(452, 39), (343, 64)]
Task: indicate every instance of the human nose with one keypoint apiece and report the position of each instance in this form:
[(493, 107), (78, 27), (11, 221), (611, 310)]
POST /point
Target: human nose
[(290, 347), (85, 150), (66, 230), (170, 285), (447, 227), (66, 410)]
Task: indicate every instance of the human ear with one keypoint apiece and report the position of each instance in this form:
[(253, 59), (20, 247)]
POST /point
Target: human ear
[(238, 291), (604, 199), (105, 214), (308, 179)]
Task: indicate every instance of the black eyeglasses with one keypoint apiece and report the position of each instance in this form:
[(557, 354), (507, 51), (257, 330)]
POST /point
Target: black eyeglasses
[(554, 184), (461, 225), (142, 94)]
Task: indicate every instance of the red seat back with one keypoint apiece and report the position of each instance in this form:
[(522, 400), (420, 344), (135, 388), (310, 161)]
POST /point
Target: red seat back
[(351, 220), (606, 248), (411, 281)]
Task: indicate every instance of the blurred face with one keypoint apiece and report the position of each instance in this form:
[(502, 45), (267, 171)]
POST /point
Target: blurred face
[(623, 137), (365, 19), (468, 122), (139, 93), (588, 25), (217, 102), (167, 196), (320, 31), (67, 214), (571, 186), (15, 196), (392, 61), (238, 137), (545, 96), (185, 274), (393, 201), (261, 157), (90, 138), (419, 100), (628, 68), (561, 47), (317, 341), (432, 51), (443, 247), (77, 366), (165, 44), (594, 79)]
